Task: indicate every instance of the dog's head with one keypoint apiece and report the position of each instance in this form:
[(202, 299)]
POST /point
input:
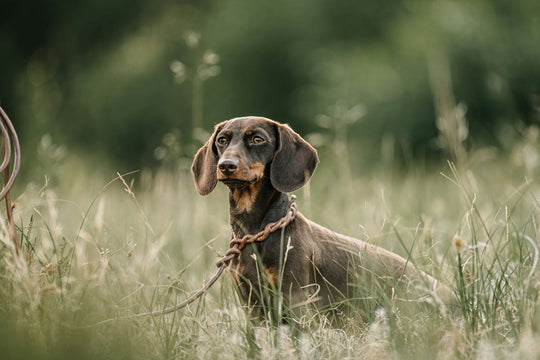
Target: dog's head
[(240, 151)]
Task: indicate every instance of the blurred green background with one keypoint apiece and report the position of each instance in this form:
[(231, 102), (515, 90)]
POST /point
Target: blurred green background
[(99, 86), (124, 80)]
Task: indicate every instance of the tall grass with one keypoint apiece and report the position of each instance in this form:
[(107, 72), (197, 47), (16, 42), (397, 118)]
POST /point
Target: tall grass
[(96, 247)]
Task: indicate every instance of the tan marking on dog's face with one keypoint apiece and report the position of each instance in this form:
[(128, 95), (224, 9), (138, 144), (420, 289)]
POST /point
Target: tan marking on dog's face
[(245, 197), (257, 169)]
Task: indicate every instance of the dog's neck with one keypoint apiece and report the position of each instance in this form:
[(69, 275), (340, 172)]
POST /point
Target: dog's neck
[(267, 205)]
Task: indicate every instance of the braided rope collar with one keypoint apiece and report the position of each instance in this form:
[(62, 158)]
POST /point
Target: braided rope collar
[(236, 244)]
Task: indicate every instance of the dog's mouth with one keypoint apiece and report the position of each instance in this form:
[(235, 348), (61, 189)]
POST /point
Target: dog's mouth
[(238, 183)]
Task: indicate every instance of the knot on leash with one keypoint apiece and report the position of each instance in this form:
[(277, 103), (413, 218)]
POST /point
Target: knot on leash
[(237, 244)]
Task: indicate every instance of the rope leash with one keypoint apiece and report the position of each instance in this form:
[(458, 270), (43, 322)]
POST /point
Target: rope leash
[(12, 150), (11, 146), (235, 246)]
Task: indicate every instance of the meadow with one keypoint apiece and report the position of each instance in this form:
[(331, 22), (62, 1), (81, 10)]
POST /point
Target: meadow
[(97, 246)]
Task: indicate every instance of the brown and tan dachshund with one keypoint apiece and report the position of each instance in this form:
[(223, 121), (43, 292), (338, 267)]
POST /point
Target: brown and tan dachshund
[(261, 160)]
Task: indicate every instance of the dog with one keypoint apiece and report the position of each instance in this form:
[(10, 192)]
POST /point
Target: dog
[(305, 264)]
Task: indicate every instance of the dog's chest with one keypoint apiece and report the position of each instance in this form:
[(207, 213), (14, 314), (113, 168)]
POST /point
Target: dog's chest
[(258, 264)]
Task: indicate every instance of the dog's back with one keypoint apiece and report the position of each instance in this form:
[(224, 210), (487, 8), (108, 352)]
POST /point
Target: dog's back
[(354, 272)]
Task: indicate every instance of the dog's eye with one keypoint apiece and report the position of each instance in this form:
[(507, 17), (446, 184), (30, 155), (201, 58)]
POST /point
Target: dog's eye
[(222, 140), (257, 140)]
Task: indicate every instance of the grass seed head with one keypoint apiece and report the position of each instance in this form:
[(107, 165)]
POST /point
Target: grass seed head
[(459, 243)]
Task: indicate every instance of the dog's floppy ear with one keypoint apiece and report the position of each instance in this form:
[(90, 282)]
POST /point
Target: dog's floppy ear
[(294, 160), (204, 165)]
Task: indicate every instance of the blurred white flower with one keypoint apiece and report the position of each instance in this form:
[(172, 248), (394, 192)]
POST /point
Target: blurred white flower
[(179, 70), (210, 57), (192, 38), (206, 72)]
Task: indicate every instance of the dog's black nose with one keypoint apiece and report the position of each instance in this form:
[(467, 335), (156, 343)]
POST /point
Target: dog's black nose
[(228, 166)]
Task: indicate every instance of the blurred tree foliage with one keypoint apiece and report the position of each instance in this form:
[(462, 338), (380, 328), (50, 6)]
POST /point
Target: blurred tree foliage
[(96, 74)]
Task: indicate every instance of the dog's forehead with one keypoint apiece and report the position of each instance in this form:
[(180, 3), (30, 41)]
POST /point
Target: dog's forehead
[(252, 123)]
